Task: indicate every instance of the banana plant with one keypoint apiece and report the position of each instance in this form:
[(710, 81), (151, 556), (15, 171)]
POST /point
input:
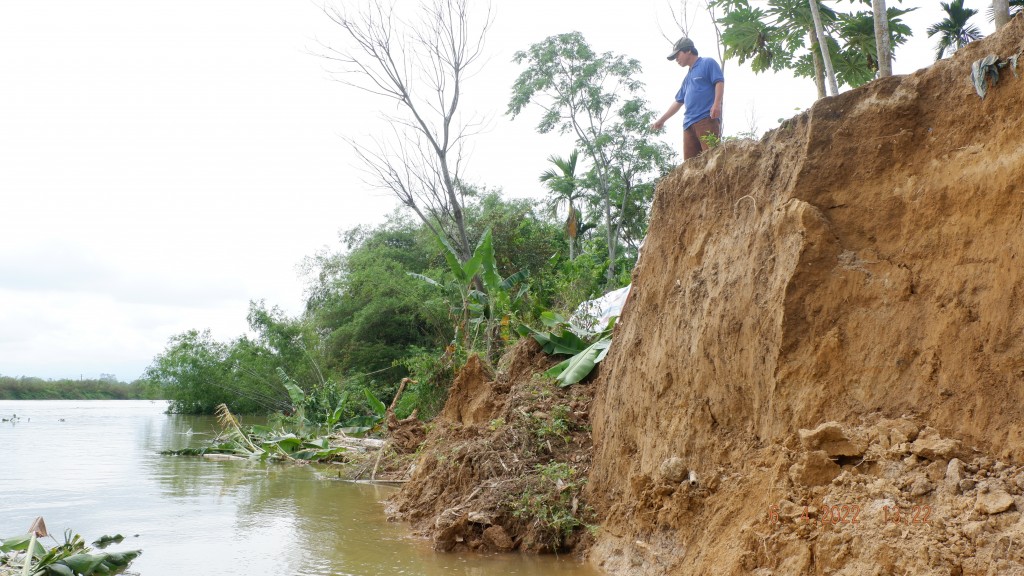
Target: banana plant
[(499, 298), (480, 311), (360, 425)]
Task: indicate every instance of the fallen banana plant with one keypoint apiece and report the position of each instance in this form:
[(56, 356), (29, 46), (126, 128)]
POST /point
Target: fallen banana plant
[(261, 443), (585, 351), (24, 555)]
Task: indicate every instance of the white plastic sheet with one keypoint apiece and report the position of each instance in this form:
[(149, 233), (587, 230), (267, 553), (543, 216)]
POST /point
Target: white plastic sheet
[(593, 315)]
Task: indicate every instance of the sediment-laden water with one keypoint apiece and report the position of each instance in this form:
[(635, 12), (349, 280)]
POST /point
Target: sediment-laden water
[(94, 467)]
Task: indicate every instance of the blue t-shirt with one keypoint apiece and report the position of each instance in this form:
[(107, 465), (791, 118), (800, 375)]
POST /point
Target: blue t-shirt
[(698, 90)]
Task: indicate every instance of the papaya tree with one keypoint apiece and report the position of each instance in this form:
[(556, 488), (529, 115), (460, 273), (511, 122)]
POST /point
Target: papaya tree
[(588, 95), (883, 46), (781, 35), (819, 31)]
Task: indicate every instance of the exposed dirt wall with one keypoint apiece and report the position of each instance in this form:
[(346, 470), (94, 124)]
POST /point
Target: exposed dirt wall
[(862, 264), (503, 466)]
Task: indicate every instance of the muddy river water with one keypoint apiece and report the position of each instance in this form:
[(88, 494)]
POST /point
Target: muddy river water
[(95, 467)]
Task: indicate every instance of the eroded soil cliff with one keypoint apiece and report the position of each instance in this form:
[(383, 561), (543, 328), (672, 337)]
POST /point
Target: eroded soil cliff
[(860, 265), (824, 326)]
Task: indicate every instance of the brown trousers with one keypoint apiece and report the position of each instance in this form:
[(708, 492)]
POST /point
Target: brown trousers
[(692, 144)]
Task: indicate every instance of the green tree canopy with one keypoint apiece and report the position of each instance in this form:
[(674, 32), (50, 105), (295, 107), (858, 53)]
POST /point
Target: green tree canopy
[(779, 35), (196, 374), (594, 97)]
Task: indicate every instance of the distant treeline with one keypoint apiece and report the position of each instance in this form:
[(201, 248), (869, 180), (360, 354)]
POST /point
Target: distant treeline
[(26, 388)]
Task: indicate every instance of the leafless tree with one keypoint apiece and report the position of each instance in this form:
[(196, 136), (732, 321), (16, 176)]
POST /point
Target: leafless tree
[(421, 65), (684, 21)]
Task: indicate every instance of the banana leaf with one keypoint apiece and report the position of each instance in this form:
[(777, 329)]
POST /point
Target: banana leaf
[(378, 407), (581, 365), (356, 431), (287, 443), (15, 543), (551, 319), (565, 342), (319, 454), (426, 279), (58, 570), (84, 563), (90, 564), (295, 394)]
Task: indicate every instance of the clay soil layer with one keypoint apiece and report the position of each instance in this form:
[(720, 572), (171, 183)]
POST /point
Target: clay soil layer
[(826, 326)]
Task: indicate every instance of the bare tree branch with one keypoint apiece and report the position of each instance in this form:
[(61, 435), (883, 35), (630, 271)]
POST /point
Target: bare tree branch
[(421, 65)]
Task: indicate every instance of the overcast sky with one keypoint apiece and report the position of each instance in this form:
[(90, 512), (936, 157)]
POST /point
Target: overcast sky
[(162, 163)]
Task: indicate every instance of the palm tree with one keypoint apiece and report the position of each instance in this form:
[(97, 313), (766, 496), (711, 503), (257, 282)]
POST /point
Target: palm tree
[(954, 31), (1000, 12), (565, 190)]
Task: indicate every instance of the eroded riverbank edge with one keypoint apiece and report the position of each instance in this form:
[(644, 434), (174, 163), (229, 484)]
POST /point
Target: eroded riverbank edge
[(823, 325)]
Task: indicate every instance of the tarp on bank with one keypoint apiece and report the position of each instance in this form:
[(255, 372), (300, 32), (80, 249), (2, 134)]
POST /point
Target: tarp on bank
[(593, 315)]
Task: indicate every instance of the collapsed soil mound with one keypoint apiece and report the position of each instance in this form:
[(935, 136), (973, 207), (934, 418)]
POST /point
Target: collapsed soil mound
[(857, 271), (504, 465)]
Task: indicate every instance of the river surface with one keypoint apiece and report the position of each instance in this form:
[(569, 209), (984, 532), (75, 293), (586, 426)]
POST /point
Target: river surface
[(94, 467)]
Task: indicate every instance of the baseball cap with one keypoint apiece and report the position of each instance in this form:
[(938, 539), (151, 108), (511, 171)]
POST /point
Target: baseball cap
[(683, 45)]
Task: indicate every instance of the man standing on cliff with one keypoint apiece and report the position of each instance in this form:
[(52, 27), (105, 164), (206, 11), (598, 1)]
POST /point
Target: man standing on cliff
[(701, 93)]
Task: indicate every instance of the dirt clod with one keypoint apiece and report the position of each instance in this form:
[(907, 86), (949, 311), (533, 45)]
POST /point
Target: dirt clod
[(831, 438), (673, 470), (814, 469)]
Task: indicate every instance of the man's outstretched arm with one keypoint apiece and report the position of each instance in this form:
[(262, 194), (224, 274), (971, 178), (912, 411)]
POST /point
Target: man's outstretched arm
[(660, 122)]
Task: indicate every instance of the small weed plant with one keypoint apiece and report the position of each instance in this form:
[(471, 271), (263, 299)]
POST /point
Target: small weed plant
[(540, 387), (711, 139), (556, 425), (551, 501)]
